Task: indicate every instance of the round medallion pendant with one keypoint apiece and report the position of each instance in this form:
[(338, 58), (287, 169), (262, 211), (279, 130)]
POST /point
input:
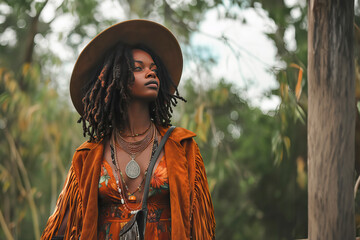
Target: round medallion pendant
[(132, 169)]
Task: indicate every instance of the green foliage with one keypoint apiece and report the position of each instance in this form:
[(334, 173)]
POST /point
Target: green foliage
[(253, 198), (36, 145)]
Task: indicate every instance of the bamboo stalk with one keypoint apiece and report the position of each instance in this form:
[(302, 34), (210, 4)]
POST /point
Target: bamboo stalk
[(5, 227), (29, 195)]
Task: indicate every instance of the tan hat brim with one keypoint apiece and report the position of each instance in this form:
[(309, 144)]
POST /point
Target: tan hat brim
[(132, 32)]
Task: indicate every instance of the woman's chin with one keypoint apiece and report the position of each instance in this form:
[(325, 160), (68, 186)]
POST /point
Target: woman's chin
[(145, 98)]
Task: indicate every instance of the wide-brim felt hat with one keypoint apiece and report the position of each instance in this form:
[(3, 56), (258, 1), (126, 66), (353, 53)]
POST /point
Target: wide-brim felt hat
[(153, 35)]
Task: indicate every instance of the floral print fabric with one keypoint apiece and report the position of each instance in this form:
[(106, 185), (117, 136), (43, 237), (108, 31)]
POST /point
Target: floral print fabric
[(113, 215)]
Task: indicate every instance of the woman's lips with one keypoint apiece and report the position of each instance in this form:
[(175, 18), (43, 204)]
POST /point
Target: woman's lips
[(152, 84)]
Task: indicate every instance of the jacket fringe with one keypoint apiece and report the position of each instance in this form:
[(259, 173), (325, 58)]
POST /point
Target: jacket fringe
[(203, 220), (69, 200)]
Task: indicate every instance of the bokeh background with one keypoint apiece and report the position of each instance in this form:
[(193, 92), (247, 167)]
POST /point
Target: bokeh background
[(246, 88)]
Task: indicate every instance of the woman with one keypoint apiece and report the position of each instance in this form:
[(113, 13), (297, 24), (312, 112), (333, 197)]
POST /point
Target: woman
[(124, 85)]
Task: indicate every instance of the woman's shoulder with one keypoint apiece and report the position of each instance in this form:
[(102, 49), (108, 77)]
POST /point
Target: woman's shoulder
[(85, 148), (179, 134), (87, 145), (84, 156)]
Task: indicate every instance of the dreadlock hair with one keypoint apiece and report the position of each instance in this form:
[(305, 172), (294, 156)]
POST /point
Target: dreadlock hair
[(107, 95)]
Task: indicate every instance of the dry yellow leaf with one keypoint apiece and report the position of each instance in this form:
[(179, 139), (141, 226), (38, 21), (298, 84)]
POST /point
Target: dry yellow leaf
[(298, 87)]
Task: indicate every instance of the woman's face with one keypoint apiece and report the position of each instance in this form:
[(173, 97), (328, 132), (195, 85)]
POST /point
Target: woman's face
[(146, 84)]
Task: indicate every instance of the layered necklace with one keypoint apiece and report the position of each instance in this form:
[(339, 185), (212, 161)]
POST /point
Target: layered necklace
[(131, 196), (132, 168)]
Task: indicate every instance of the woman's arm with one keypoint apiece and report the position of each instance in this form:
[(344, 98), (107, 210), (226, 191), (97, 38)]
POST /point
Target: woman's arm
[(202, 210), (61, 232), (66, 219), (202, 214), (62, 228)]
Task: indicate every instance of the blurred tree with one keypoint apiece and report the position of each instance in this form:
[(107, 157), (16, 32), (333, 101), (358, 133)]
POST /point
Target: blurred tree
[(253, 198), (331, 120)]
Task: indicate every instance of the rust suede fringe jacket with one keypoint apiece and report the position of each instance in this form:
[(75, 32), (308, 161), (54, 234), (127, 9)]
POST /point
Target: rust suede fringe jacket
[(192, 212)]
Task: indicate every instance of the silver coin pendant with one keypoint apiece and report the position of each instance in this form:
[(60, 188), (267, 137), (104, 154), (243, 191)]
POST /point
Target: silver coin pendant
[(132, 169)]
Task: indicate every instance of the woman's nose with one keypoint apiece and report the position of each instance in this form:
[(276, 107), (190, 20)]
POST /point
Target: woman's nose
[(150, 74)]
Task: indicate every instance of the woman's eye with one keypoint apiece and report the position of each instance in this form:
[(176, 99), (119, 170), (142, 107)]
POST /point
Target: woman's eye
[(137, 68)]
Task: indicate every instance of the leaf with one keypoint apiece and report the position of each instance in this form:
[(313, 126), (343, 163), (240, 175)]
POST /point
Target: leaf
[(11, 84), (31, 110), (298, 87), (279, 157), (287, 142), (275, 141), (301, 178), (212, 183), (199, 114), (284, 90), (202, 121), (6, 186), (164, 186), (4, 101), (300, 114), (25, 69)]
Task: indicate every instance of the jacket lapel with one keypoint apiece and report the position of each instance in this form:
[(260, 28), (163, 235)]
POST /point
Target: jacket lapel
[(177, 167)]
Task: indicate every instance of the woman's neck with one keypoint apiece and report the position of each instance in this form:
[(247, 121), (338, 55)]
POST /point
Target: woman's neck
[(138, 118)]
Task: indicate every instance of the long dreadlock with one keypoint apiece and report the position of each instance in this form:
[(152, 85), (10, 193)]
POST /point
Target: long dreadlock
[(107, 95)]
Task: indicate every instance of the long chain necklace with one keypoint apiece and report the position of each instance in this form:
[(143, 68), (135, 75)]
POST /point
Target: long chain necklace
[(116, 170), (131, 196), (132, 169)]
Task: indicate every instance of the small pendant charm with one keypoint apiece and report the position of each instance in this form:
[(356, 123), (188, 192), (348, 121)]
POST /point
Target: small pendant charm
[(132, 169), (134, 212), (132, 199)]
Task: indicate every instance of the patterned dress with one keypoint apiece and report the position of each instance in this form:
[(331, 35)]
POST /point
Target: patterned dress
[(113, 215)]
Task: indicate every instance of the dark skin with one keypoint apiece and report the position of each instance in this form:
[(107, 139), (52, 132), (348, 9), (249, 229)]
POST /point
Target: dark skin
[(144, 90)]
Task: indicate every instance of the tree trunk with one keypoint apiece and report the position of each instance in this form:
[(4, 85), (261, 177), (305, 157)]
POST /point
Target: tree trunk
[(331, 120)]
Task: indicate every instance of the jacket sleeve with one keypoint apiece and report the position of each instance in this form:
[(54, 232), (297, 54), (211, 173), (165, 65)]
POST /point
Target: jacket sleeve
[(69, 200), (202, 210)]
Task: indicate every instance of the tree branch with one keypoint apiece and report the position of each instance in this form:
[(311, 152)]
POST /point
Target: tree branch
[(32, 32)]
